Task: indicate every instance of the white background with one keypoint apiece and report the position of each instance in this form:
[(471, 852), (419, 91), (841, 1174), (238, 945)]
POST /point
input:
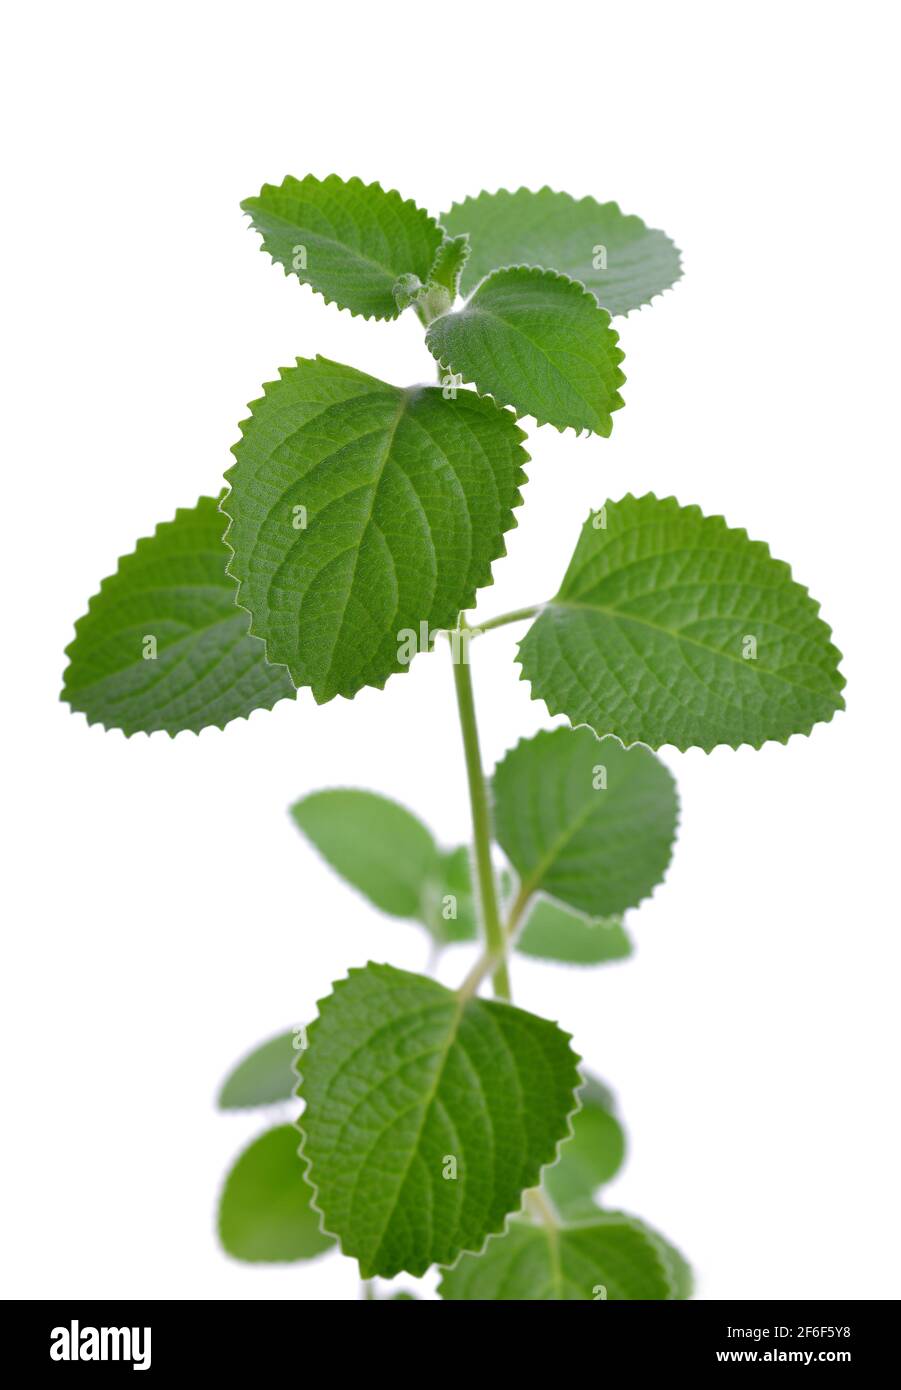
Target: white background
[(164, 914)]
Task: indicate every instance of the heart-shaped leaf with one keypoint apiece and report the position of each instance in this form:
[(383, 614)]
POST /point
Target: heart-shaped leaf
[(537, 341), (364, 518), (670, 627), (426, 1116)]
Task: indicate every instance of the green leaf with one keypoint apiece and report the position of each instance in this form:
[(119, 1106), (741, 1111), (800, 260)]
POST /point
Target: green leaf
[(351, 241), (163, 644), (671, 628), (408, 290), (264, 1076), (388, 855), (265, 1211), (404, 1079), (585, 820), (555, 932), (623, 262), (450, 912), (450, 259), (591, 1156), (680, 1270), (610, 1252), (438, 294), (364, 518), (537, 341), (377, 845)]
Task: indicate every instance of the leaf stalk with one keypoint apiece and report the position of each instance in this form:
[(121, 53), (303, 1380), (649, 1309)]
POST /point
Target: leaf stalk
[(516, 615)]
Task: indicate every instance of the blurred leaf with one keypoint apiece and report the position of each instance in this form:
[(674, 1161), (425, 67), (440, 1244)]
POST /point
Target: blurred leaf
[(265, 1212), (265, 1075)]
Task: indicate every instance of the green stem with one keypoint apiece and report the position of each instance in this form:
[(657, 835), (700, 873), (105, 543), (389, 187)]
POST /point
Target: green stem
[(488, 959), (517, 615), (517, 912), (481, 820)]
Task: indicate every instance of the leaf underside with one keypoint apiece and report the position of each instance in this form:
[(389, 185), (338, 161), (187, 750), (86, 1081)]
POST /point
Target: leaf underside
[(399, 1078), (350, 241), (671, 628), (265, 1211), (535, 340), (623, 262), (571, 1262), (585, 820), (207, 669), (361, 512)]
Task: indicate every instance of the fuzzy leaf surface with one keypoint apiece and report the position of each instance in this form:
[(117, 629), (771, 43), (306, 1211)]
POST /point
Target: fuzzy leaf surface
[(264, 1076), (351, 241), (450, 259), (598, 848), (207, 669), (361, 512), (265, 1211), (570, 1263), (537, 341), (401, 1076), (623, 262), (672, 628)]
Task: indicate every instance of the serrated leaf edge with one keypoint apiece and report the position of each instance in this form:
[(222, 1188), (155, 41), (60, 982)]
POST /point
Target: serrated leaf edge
[(521, 411), (500, 554), (67, 650), (357, 182), (571, 728), (635, 1223), (587, 198), (706, 748), (447, 239), (502, 1230)]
